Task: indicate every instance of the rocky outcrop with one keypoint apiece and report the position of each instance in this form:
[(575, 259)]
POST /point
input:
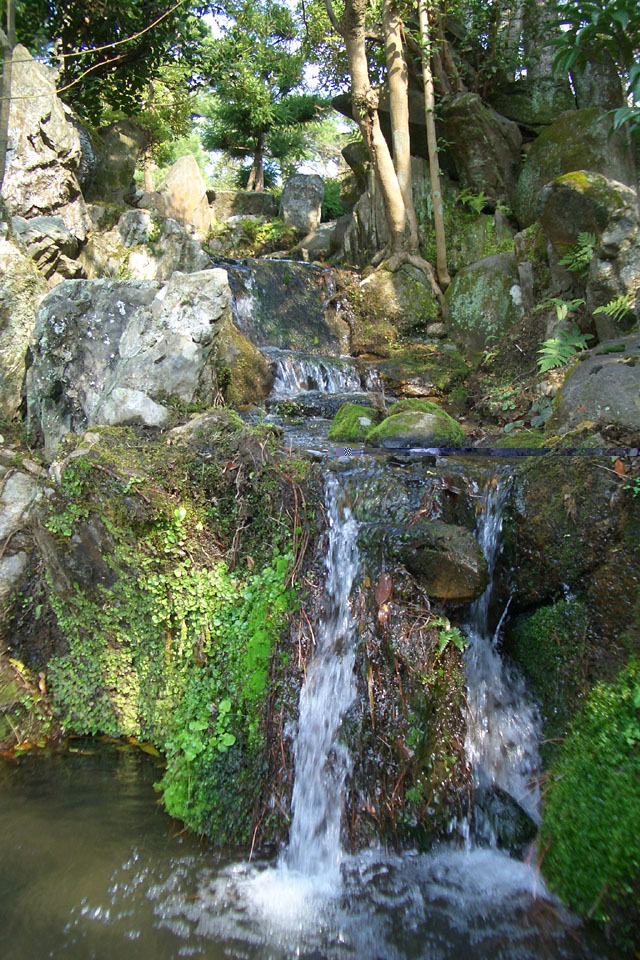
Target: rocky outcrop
[(483, 301), (182, 196), (448, 561), (51, 245), (19, 494), (486, 147), (532, 102), (143, 246), (301, 202), (21, 287), (241, 203), (577, 140), (117, 151), (44, 153), (113, 352), (604, 388)]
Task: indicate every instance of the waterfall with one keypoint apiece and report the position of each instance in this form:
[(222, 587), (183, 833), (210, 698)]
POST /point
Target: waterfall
[(503, 727), (297, 373), (322, 763)]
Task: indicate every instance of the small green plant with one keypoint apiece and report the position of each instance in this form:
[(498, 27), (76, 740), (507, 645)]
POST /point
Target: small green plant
[(562, 307), (448, 634), (562, 348), (475, 201), (633, 486), (331, 205), (617, 308), (578, 256)]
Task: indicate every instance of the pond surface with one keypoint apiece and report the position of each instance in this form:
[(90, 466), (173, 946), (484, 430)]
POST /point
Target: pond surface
[(91, 867)]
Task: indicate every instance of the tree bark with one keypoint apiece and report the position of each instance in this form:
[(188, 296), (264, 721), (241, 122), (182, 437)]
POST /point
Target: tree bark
[(432, 145), (398, 82), (256, 174), (365, 108)]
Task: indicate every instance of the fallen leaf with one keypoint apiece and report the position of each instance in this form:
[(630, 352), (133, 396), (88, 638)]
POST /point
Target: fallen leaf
[(619, 468), (384, 588)]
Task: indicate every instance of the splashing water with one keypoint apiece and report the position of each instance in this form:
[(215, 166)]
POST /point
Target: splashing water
[(503, 728), (296, 373)]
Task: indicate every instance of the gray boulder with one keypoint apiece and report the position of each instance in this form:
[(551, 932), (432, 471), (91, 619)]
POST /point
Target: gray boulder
[(182, 196), (486, 147), (51, 245), (577, 140), (44, 153), (242, 203), (483, 301), (301, 202), (118, 148), (317, 245), (21, 288), (603, 388), (113, 352)]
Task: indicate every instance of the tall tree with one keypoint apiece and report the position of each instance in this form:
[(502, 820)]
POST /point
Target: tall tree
[(255, 71)]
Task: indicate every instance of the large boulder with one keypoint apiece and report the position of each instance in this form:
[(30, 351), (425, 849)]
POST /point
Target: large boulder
[(532, 102), (113, 352), (604, 388), (448, 561), (44, 153), (21, 287), (301, 202), (486, 147), (577, 140), (241, 203), (182, 195), (483, 301), (414, 423), (143, 246), (118, 148)]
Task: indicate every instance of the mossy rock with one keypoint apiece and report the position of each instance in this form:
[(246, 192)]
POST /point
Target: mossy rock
[(577, 140), (422, 370), (592, 807), (583, 202), (352, 422), (249, 376), (385, 304), (447, 560), (428, 426), (483, 302)]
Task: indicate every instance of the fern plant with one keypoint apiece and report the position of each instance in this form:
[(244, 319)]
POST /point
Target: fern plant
[(477, 201), (617, 308), (578, 256), (562, 348)]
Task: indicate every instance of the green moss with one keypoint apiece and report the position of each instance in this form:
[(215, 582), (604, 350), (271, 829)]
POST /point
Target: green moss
[(549, 648), (352, 422), (590, 824), (526, 438), (427, 426)]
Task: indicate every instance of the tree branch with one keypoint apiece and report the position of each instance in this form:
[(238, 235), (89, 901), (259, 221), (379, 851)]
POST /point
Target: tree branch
[(333, 20)]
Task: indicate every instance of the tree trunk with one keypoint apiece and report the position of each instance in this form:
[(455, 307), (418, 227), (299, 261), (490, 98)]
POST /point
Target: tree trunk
[(256, 174), (365, 108), (398, 82), (432, 145)]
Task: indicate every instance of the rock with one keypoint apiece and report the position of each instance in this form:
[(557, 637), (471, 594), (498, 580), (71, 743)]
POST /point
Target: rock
[(250, 375), (577, 140), (486, 147), (422, 370), (357, 157), (51, 245), (19, 493), (604, 388), (118, 148), (21, 288), (352, 423), (420, 423), (583, 202), (143, 246), (483, 301), (437, 331), (532, 103), (182, 196), (317, 244), (44, 154), (89, 161), (597, 84), (12, 569), (113, 352), (501, 820), (301, 202), (447, 561), (242, 203)]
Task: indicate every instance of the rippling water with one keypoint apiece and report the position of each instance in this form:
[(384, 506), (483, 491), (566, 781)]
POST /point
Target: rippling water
[(90, 867)]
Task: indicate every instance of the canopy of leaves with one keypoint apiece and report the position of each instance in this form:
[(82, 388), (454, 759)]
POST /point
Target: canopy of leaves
[(110, 50)]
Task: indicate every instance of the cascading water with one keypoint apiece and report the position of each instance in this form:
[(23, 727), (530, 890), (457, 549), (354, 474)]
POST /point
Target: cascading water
[(296, 373), (503, 728), (321, 762)]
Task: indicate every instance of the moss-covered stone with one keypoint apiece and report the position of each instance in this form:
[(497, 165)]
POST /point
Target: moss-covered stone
[(582, 202), (422, 370), (483, 301), (386, 305), (428, 426), (352, 423), (249, 376), (577, 140)]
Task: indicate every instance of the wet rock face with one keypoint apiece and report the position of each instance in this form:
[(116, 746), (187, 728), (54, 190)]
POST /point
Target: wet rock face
[(603, 388), (577, 140), (44, 152), (112, 352), (301, 202), (447, 561), (484, 301)]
